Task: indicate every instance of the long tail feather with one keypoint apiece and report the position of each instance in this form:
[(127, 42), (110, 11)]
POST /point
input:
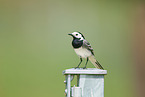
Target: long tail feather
[(95, 62)]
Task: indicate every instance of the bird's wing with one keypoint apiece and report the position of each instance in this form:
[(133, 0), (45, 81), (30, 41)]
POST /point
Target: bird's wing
[(87, 45)]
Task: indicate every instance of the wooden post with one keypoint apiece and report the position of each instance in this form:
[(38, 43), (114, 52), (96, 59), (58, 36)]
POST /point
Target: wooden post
[(90, 82)]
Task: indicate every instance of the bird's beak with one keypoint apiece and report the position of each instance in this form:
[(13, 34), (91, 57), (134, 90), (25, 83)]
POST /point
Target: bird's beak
[(70, 34)]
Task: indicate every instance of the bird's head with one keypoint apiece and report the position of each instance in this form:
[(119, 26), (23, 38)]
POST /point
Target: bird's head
[(77, 35)]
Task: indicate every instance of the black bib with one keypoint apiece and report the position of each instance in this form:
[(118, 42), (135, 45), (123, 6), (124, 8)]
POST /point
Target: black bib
[(77, 43)]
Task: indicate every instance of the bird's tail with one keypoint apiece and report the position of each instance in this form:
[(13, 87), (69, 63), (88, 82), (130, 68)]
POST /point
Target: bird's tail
[(95, 62)]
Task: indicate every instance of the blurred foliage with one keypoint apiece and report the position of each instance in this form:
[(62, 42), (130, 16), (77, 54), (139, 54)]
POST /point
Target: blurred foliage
[(35, 47)]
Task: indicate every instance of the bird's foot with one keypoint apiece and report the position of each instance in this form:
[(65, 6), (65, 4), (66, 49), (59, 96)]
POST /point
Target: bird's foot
[(84, 67), (77, 67)]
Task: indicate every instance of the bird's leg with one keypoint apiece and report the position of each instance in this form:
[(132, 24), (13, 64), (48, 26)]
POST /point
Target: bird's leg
[(79, 63), (86, 63)]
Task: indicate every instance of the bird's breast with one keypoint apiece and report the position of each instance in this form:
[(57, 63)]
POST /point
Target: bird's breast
[(83, 52)]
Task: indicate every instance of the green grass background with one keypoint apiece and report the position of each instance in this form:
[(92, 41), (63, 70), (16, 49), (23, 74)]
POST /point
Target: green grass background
[(35, 47)]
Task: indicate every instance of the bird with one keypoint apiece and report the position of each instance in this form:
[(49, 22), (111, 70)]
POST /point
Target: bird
[(83, 49)]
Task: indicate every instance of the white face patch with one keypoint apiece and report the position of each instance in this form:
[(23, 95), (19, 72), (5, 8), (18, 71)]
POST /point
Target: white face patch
[(77, 35)]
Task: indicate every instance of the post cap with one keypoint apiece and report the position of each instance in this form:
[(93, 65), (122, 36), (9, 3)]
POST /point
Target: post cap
[(84, 71)]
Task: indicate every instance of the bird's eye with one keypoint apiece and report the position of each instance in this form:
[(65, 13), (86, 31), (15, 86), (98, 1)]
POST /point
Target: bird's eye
[(76, 34)]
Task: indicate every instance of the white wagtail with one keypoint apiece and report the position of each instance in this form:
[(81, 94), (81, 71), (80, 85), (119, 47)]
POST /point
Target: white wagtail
[(83, 49)]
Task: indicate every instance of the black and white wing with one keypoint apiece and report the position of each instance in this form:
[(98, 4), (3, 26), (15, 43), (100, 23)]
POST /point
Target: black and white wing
[(87, 45)]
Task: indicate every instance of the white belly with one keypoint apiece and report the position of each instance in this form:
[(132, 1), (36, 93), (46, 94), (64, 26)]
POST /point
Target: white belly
[(84, 53)]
